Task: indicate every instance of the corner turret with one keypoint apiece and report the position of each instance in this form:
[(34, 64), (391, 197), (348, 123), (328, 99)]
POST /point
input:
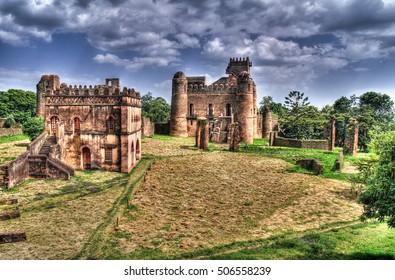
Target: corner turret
[(179, 108), (47, 85)]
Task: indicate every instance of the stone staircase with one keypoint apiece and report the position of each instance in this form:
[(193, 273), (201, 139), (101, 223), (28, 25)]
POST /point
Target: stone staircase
[(46, 147), (44, 166)]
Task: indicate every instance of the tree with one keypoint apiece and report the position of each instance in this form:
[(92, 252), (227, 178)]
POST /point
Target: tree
[(306, 123), (157, 109), (33, 127), (21, 104), (276, 108), (296, 100), (379, 177), (302, 121)]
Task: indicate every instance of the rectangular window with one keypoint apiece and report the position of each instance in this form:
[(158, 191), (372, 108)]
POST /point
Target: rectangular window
[(108, 155)]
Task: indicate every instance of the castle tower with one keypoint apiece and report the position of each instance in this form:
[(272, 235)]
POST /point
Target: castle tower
[(47, 85), (179, 108), (238, 65), (266, 123), (245, 114)]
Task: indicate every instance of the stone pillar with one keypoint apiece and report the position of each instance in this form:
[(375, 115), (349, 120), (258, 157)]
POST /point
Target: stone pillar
[(272, 137), (234, 140), (330, 134), (351, 137), (202, 134), (266, 123)]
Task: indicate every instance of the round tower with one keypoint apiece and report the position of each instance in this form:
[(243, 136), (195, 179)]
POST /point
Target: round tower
[(266, 122), (245, 107), (179, 106)]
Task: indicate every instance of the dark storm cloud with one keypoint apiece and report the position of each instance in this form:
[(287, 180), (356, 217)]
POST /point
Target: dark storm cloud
[(360, 15), (24, 15)]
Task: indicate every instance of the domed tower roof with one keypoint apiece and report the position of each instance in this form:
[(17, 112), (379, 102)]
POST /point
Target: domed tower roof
[(179, 75)]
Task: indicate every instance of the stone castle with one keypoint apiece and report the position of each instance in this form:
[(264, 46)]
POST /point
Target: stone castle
[(85, 128), (230, 99), (95, 127)]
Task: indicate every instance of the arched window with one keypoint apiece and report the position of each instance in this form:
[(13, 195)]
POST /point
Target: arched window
[(86, 158), (228, 110), (210, 110), (77, 127), (191, 109), (111, 123)]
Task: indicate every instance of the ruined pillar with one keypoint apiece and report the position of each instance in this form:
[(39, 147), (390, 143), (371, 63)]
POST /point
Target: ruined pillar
[(234, 139), (202, 134), (351, 137), (330, 134), (266, 123)]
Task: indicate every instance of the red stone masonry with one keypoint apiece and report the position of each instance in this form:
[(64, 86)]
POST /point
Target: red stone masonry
[(233, 96)]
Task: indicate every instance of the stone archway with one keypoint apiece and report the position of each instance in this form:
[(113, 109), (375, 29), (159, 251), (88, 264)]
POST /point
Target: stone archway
[(86, 158), (54, 121)]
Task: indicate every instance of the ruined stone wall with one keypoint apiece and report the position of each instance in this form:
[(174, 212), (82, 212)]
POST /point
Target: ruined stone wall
[(148, 128), (10, 131), (351, 137), (17, 170), (201, 103), (296, 143)]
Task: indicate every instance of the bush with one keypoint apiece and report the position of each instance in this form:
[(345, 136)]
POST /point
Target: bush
[(33, 127), (10, 121)]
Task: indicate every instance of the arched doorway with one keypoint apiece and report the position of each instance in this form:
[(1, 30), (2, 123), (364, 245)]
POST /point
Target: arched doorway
[(133, 154), (86, 158), (137, 150), (54, 121)]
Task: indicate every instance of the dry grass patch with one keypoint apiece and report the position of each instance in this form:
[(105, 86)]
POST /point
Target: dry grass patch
[(213, 199), (175, 146), (59, 216), (11, 150)]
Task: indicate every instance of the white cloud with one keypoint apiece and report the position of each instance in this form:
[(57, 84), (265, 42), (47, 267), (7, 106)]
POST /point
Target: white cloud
[(136, 63)]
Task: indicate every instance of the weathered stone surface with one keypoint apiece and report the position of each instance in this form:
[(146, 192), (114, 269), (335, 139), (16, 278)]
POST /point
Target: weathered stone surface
[(318, 144), (147, 127), (234, 142), (267, 124), (330, 134), (351, 137), (8, 201), (233, 97), (311, 164), (202, 134), (339, 162), (11, 237), (10, 215)]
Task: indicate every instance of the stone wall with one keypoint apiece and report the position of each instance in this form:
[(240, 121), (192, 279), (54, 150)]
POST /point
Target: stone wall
[(17, 170), (10, 131), (148, 128), (297, 143), (2, 122)]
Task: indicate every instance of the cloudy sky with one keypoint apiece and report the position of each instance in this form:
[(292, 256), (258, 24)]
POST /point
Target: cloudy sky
[(326, 49)]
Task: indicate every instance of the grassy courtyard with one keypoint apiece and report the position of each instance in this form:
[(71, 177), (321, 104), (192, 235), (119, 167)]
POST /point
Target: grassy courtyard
[(182, 203)]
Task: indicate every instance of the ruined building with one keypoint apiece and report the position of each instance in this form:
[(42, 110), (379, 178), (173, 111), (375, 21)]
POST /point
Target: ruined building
[(228, 100), (95, 127), (85, 128)]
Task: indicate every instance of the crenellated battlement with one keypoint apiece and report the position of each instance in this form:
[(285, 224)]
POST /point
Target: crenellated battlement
[(110, 93)]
